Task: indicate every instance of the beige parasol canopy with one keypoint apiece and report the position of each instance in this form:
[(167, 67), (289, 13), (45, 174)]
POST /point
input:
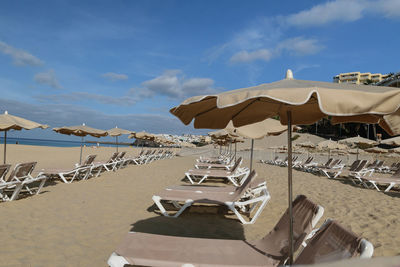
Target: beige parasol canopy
[(329, 144), (82, 131), (143, 135), (307, 144), (376, 150), (394, 141), (115, 132), (308, 101), (257, 130), (295, 102), (118, 131), (358, 141), (10, 122)]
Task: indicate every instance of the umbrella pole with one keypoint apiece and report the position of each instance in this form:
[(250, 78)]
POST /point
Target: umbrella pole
[(5, 146), (80, 157), (289, 118), (251, 155), (116, 142), (235, 152), (357, 152)]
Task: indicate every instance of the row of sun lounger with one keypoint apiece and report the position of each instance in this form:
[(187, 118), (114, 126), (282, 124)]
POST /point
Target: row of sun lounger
[(21, 180), (328, 243), (360, 172), (246, 194)]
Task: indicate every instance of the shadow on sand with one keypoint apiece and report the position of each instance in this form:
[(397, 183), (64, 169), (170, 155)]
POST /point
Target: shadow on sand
[(192, 225)]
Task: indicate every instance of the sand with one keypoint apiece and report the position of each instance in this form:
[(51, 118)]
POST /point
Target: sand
[(80, 224)]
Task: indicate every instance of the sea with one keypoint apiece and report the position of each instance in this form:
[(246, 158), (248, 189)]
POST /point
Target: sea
[(46, 142)]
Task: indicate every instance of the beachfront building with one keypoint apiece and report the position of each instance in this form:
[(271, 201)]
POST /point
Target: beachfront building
[(359, 78)]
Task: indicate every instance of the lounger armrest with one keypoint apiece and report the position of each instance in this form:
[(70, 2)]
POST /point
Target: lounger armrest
[(367, 249), (116, 261)]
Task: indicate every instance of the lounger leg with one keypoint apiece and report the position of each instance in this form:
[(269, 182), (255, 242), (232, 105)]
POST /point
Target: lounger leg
[(232, 179), (374, 184), (41, 186), (202, 179), (16, 192), (190, 179), (157, 201), (390, 187), (63, 178), (263, 199)]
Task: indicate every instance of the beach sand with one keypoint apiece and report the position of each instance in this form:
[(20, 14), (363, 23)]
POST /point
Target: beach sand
[(81, 224)]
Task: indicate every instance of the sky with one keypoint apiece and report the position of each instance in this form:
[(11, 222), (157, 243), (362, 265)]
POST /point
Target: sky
[(126, 63)]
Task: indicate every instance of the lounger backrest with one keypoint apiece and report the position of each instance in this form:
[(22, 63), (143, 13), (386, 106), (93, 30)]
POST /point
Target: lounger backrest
[(308, 160), (362, 165), (3, 171), (21, 171), (89, 160), (113, 157), (246, 184), (333, 163), (380, 164), (355, 164), (237, 164), (276, 242), (122, 154), (332, 242), (396, 174), (327, 164)]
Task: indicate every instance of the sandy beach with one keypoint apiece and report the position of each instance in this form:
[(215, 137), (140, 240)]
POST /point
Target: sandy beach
[(80, 224)]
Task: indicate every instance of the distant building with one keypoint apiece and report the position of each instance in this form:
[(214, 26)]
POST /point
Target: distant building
[(359, 78)]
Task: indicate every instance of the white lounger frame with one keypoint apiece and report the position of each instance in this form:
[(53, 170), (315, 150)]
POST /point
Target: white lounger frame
[(259, 194), (232, 178)]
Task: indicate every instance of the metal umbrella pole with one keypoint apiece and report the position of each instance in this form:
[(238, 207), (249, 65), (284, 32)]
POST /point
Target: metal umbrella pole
[(5, 146), (290, 186), (235, 151), (251, 155), (116, 142), (80, 157)]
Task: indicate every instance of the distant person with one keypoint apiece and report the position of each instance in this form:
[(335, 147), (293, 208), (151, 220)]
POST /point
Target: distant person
[(16, 142), (98, 144)]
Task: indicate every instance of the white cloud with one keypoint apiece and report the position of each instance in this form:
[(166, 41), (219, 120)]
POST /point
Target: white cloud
[(343, 11), (389, 8), (197, 86), (65, 114), (20, 57), (115, 76), (332, 11), (300, 46), (76, 97), (245, 56), (173, 84), (48, 78)]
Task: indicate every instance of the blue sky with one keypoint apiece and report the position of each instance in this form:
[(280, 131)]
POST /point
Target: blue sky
[(126, 63)]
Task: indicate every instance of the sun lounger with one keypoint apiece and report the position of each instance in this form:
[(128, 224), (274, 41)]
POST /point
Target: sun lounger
[(21, 178), (226, 166), (88, 161), (375, 181), (107, 165), (332, 242), (68, 176), (233, 174), (254, 183), (244, 199), (160, 250)]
